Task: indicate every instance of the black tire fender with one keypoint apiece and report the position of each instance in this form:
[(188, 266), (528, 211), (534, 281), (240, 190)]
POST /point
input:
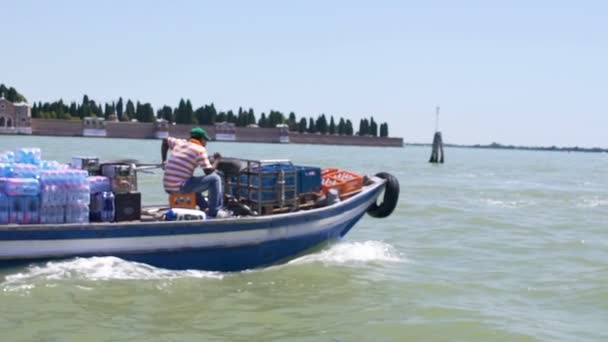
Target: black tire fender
[(390, 199)]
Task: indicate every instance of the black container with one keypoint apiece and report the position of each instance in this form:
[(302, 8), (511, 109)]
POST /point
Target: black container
[(128, 206)]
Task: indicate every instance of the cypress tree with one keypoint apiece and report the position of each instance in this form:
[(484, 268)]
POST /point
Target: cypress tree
[(293, 125), (311, 126), (342, 127), (119, 109), (189, 113), (302, 125), (262, 122), (373, 127), (332, 126), (349, 128), (251, 117), (129, 111)]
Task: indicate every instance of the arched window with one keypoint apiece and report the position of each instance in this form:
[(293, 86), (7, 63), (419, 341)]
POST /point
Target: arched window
[(9, 123), (2, 120)]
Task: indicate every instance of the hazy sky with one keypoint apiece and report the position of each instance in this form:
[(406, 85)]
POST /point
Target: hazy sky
[(514, 72)]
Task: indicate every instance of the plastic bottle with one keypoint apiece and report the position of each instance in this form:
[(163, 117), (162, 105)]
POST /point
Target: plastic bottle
[(109, 211), (15, 214), (31, 209), (96, 207), (4, 208)]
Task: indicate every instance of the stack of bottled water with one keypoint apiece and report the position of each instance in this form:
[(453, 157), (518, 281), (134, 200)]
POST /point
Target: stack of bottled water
[(64, 196), (33, 190), (102, 199), (19, 186)]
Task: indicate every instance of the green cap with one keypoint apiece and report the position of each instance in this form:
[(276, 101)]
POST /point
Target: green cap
[(199, 133)]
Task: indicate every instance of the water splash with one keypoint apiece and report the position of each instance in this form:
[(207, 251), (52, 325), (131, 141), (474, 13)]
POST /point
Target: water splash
[(506, 204), (97, 269), (592, 202), (348, 252)]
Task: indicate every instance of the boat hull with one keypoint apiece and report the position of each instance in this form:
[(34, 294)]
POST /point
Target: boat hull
[(215, 245)]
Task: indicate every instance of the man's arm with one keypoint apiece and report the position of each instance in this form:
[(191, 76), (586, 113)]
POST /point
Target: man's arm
[(216, 159), (164, 148)]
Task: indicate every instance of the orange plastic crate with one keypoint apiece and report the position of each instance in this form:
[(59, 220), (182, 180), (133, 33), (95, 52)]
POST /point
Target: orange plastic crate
[(183, 200), (328, 171), (344, 181)]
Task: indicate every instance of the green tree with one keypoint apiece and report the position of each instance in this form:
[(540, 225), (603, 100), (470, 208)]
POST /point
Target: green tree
[(349, 128), (342, 127), (129, 111), (312, 128), (251, 117), (293, 124), (332, 126), (262, 122), (11, 94), (321, 124), (147, 113), (373, 127), (166, 113), (119, 109), (302, 125), (35, 111)]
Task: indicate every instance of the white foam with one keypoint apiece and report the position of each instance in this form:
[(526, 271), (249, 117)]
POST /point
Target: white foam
[(506, 204), (352, 252), (592, 202), (98, 268)]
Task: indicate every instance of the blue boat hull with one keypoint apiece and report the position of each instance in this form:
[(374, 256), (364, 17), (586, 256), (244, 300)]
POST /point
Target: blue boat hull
[(214, 245)]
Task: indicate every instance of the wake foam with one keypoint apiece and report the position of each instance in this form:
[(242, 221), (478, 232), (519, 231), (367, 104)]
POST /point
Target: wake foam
[(96, 269), (352, 252), (592, 202)]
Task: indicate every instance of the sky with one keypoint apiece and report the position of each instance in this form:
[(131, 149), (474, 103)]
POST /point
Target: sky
[(531, 73)]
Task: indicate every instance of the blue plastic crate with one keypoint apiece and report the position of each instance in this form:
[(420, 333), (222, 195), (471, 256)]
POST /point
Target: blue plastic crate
[(269, 175), (309, 179)]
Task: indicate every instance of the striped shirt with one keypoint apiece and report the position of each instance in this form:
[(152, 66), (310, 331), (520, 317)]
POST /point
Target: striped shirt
[(185, 156)]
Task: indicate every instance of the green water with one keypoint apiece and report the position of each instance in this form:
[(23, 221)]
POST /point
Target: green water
[(491, 246)]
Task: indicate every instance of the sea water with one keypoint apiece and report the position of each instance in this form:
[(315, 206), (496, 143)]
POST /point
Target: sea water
[(493, 245)]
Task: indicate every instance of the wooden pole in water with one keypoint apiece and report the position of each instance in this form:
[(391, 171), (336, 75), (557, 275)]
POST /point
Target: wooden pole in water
[(437, 151)]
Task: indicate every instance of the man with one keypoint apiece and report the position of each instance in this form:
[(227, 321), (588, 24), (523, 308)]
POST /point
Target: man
[(179, 177)]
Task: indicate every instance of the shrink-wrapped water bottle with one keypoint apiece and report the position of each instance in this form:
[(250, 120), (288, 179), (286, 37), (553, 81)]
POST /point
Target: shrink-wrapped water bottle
[(108, 212), (96, 207), (4, 208), (23, 170), (21, 187), (31, 209), (76, 213), (6, 170), (28, 155), (15, 214), (7, 157)]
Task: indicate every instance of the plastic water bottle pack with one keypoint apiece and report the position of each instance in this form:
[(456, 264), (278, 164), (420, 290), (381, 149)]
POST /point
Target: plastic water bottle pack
[(4, 208), (21, 187), (28, 155), (33, 190), (6, 170), (99, 184)]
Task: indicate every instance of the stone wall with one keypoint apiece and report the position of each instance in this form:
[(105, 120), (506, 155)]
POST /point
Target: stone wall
[(132, 130), (141, 130), (304, 138), (64, 128)]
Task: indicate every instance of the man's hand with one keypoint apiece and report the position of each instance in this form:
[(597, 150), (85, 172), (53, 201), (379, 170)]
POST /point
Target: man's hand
[(217, 156)]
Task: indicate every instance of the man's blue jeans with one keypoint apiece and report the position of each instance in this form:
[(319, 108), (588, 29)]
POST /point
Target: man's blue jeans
[(211, 183)]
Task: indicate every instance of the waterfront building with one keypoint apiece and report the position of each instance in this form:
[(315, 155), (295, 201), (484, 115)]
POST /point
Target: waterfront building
[(15, 117)]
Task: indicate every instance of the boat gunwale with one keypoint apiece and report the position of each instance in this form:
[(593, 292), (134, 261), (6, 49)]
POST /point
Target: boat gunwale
[(100, 226)]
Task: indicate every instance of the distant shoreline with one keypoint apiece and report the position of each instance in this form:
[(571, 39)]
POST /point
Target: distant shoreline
[(497, 146)]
